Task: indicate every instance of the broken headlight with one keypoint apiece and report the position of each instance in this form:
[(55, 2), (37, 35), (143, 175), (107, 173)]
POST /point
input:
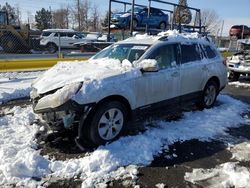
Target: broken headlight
[(59, 97)]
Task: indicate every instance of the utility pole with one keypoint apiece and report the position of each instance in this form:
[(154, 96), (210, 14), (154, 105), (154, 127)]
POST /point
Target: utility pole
[(242, 32), (222, 26), (109, 19), (132, 18)]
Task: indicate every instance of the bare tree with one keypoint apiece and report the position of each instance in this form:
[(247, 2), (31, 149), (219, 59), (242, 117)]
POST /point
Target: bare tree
[(61, 18), (14, 13), (211, 20), (81, 14), (95, 18)]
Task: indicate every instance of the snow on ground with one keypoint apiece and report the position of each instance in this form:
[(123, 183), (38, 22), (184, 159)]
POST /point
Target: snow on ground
[(14, 85), (225, 175), (240, 84), (241, 151), (20, 160), (160, 185), (230, 174)]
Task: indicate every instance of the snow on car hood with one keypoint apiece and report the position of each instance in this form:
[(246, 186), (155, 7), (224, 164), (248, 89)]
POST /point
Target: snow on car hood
[(64, 73)]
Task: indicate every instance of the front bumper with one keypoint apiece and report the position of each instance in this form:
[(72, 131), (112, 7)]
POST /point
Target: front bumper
[(66, 114), (239, 68)]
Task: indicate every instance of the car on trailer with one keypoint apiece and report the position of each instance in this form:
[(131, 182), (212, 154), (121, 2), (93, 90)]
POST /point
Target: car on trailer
[(157, 18)]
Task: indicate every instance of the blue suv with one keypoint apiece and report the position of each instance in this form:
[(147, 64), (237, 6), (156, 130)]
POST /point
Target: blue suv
[(157, 18)]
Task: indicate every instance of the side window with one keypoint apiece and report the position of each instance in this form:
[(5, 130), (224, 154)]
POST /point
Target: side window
[(63, 34), (190, 53), (70, 34), (165, 56), (209, 52)]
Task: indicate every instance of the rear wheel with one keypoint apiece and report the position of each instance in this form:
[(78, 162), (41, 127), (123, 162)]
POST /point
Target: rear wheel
[(209, 95), (107, 123), (233, 76), (52, 48)]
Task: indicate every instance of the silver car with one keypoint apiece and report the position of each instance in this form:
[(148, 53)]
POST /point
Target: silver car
[(133, 79), (239, 64)]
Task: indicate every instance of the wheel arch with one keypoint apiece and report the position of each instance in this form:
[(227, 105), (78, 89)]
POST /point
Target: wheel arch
[(50, 42), (215, 79), (118, 98)]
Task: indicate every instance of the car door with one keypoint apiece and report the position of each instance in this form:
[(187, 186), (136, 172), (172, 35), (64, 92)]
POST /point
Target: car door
[(161, 88), (191, 69), (63, 39)]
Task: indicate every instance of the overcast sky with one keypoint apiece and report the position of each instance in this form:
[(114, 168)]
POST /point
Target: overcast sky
[(231, 11)]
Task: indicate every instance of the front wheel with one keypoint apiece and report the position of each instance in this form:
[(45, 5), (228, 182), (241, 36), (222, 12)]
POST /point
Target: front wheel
[(209, 95), (107, 123), (162, 26)]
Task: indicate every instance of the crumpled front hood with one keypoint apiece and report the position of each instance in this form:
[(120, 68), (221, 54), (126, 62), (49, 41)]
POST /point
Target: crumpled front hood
[(65, 73)]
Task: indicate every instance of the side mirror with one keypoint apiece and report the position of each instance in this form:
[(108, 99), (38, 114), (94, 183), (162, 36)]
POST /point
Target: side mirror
[(148, 65)]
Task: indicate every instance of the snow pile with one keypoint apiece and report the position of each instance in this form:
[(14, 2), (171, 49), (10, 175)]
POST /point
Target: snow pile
[(160, 185), (19, 160), (14, 85), (110, 161), (225, 175), (239, 84), (241, 152)]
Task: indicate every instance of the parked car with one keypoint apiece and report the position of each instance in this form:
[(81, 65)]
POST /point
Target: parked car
[(131, 80), (100, 42), (239, 64), (157, 19), (238, 30), (49, 39)]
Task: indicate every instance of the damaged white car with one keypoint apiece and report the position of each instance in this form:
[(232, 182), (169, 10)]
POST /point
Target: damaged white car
[(239, 64), (130, 80)]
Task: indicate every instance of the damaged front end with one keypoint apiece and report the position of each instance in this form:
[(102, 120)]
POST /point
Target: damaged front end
[(57, 107)]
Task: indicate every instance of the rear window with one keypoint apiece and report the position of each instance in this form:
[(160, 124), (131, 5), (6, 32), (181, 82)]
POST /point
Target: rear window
[(209, 52), (190, 53)]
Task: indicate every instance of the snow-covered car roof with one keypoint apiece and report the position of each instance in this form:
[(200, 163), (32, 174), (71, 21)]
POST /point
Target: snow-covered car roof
[(170, 35)]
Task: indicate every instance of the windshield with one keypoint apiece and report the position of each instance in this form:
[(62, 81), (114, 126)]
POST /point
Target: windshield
[(130, 52)]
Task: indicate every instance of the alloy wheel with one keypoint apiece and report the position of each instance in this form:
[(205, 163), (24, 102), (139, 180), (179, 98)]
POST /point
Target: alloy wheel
[(110, 124)]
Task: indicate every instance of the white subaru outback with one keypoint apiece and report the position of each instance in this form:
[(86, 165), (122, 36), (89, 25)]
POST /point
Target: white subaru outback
[(129, 80)]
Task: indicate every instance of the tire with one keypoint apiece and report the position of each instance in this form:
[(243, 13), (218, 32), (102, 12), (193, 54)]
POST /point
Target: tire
[(52, 48), (103, 128), (209, 95), (162, 26), (10, 43), (233, 76)]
